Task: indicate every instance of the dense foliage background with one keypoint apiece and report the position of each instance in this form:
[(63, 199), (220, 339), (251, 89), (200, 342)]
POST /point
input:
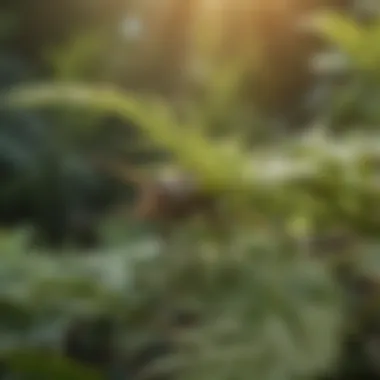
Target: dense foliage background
[(273, 108)]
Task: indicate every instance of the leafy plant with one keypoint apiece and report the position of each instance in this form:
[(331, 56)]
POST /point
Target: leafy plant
[(321, 181), (267, 308), (354, 102), (302, 168)]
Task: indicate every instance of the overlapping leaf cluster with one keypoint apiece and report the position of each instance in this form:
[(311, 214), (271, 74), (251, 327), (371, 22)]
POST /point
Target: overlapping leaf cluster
[(268, 308)]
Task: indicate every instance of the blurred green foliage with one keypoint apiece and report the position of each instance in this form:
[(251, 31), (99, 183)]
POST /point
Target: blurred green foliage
[(354, 100), (270, 302)]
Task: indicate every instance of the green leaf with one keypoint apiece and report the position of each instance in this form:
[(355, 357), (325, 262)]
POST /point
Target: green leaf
[(342, 31)]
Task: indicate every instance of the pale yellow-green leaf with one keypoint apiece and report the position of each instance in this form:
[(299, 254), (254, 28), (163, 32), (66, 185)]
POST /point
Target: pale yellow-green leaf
[(341, 31)]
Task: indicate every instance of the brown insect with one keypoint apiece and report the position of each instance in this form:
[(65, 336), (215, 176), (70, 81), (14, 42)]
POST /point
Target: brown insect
[(166, 199)]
